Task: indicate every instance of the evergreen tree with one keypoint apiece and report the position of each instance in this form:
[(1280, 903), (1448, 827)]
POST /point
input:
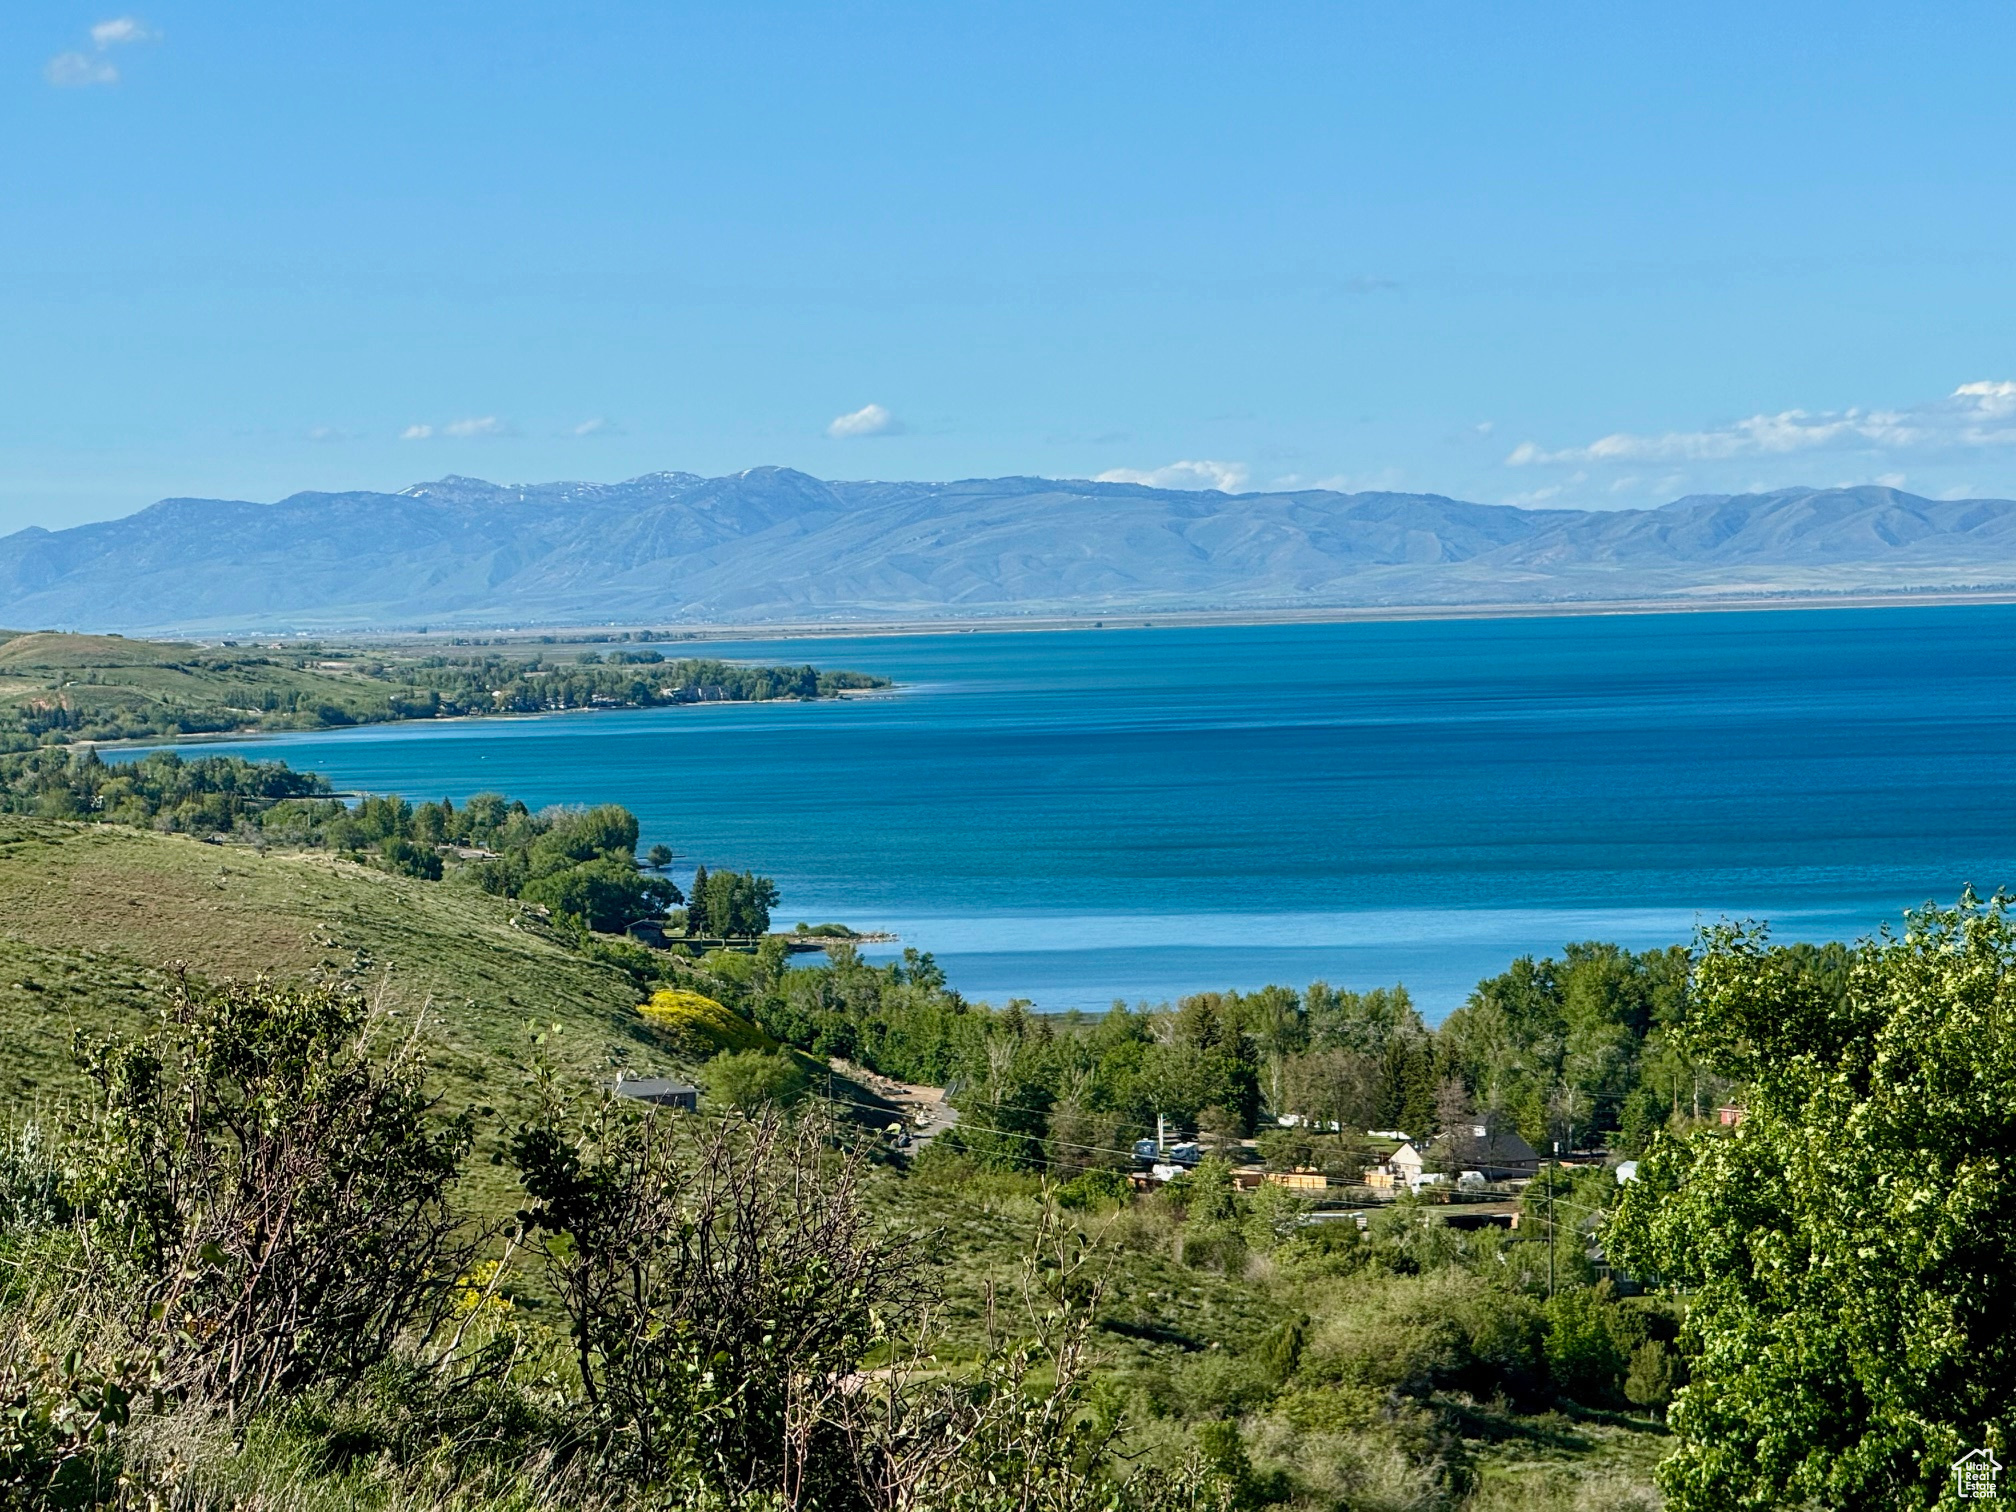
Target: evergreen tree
[(696, 903)]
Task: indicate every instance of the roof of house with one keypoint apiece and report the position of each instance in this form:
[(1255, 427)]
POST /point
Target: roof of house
[(1488, 1144), (653, 1088)]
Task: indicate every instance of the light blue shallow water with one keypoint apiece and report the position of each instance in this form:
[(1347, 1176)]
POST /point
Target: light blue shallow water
[(1076, 817)]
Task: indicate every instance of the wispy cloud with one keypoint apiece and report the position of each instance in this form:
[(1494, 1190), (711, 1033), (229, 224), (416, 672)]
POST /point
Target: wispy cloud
[(1223, 476), (76, 70), (82, 70), (1974, 415), (481, 427), (869, 420), (121, 30), (595, 427)]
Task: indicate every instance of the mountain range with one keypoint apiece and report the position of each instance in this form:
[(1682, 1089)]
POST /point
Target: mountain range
[(772, 545)]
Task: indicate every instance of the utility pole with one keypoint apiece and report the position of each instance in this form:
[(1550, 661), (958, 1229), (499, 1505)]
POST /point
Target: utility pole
[(1550, 1218), (1161, 1137)]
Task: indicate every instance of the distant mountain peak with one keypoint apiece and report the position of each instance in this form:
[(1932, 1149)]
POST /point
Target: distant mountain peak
[(772, 544)]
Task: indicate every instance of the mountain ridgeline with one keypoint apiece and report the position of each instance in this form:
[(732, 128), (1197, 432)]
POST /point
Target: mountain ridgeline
[(771, 545)]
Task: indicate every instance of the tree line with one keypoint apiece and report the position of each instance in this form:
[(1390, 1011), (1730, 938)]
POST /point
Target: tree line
[(207, 692), (1579, 1051)]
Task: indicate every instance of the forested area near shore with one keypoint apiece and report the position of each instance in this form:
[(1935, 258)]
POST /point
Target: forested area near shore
[(60, 688)]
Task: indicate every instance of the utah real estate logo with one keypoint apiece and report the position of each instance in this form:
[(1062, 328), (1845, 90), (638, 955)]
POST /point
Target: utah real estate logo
[(1975, 1475)]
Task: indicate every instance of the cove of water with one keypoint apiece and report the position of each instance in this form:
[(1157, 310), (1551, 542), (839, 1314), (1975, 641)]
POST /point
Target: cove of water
[(1075, 817)]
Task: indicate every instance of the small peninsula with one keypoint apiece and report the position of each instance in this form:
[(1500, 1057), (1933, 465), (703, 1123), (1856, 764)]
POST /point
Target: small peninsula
[(58, 688)]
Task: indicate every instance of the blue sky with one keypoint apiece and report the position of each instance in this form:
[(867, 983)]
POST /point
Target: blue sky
[(1571, 254)]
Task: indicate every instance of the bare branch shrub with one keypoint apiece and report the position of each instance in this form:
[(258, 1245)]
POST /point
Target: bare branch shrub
[(267, 1198), (722, 1282)]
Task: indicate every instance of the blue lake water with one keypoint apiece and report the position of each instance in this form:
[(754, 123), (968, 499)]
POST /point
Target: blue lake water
[(1076, 817)]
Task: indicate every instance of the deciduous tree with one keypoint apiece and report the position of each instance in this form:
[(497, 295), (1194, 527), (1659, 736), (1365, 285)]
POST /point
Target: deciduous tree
[(1848, 1250)]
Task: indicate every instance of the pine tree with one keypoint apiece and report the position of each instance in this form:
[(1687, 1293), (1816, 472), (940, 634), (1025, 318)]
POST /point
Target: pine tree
[(696, 904)]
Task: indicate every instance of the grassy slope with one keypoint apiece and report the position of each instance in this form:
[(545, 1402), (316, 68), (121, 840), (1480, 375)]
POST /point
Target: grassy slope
[(149, 684), (92, 916), (57, 649)]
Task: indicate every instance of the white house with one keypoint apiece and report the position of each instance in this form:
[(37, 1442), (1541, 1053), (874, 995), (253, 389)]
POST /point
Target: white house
[(1406, 1164)]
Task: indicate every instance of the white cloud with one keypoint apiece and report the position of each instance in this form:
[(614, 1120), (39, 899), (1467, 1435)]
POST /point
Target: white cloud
[(76, 70), (1973, 415), (869, 420), (82, 70), (1993, 398), (596, 427), (477, 428), (1891, 479), (1223, 476), (121, 30)]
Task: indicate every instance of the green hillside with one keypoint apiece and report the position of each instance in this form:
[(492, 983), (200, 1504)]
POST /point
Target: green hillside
[(93, 913), (52, 650), (1375, 1357), (93, 917)]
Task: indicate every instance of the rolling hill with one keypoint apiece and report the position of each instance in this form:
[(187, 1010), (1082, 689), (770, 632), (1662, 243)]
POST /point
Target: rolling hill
[(772, 545)]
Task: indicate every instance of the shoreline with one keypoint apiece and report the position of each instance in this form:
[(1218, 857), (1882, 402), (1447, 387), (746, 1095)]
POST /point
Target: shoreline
[(256, 732), (665, 636)]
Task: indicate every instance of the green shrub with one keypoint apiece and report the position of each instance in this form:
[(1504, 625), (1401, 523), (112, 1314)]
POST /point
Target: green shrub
[(410, 860), (737, 967), (1338, 1408), (1220, 1383), (749, 1080), (1215, 1247), (1091, 1190), (1653, 1375), (31, 1182), (1447, 1329), (1585, 1356)]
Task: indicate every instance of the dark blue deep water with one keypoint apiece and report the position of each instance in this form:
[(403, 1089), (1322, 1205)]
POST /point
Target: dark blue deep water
[(1075, 817)]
